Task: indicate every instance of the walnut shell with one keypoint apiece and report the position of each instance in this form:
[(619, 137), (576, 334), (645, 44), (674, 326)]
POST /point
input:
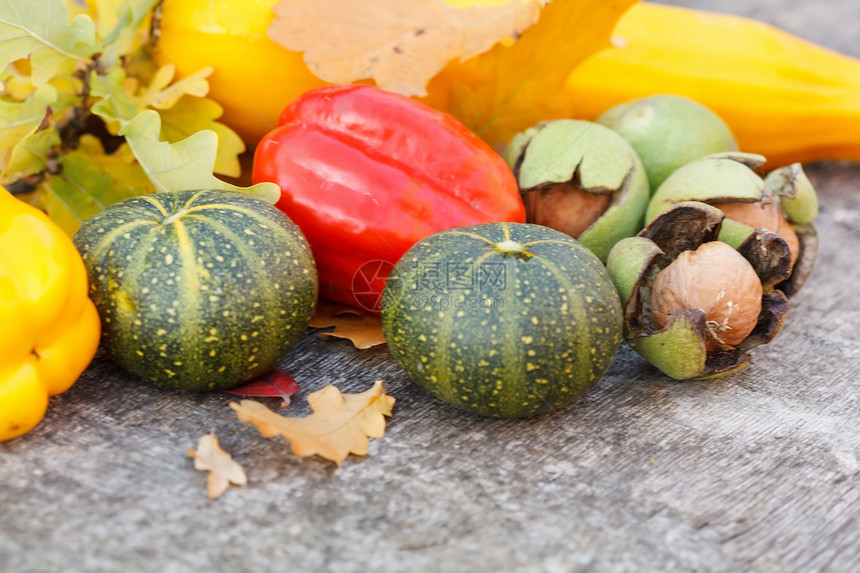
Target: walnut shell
[(764, 213), (718, 280)]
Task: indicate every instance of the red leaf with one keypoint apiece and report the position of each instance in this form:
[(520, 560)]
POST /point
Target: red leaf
[(275, 383)]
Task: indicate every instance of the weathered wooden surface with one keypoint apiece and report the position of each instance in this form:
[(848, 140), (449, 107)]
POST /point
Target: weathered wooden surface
[(760, 471)]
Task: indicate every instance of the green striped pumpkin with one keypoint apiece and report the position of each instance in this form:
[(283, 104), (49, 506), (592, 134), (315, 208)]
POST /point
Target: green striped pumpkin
[(502, 319), (198, 290)]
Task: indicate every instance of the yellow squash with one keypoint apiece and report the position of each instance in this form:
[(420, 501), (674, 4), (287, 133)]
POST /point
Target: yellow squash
[(783, 97), (49, 328)]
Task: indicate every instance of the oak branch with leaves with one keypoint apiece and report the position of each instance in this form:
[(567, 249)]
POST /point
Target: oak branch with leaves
[(86, 118)]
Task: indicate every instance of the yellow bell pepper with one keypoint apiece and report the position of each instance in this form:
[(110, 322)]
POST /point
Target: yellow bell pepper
[(49, 328)]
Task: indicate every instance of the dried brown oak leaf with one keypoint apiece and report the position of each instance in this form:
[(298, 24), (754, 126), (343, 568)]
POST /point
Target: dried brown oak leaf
[(400, 45), (222, 469), (363, 328), (340, 424)]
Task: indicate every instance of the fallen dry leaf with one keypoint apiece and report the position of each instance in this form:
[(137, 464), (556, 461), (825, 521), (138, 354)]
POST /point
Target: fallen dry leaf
[(363, 328), (275, 383), (340, 424), (511, 87), (400, 45), (222, 469)]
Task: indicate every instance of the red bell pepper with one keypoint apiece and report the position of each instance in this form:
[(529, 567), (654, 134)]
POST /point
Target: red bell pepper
[(366, 174)]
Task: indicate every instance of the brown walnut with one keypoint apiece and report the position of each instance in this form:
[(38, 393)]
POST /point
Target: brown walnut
[(718, 280), (565, 207)]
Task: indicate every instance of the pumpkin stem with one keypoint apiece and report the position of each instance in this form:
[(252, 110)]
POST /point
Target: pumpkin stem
[(171, 218), (508, 246)]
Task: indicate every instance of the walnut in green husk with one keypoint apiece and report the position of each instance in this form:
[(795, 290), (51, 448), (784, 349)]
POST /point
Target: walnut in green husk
[(694, 306), (582, 179), (784, 202), (668, 131)]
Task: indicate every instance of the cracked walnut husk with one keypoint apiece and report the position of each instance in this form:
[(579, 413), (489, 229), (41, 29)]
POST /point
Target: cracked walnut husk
[(580, 178), (695, 306), (784, 202)]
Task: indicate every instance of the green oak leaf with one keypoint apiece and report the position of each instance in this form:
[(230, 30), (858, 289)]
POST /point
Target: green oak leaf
[(116, 105), (42, 32), (66, 204), (185, 165), (109, 178)]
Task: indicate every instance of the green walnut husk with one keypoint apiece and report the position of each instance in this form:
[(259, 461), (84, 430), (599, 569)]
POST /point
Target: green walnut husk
[(679, 348), (726, 178), (669, 131), (582, 179)]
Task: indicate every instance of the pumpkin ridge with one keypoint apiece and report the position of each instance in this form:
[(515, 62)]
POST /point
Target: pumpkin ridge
[(190, 277), (193, 198), (120, 311), (271, 301), (153, 202), (203, 207), (444, 371), (545, 242), (471, 235), (102, 247), (482, 258), (238, 242), (580, 314), (512, 356), (548, 396)]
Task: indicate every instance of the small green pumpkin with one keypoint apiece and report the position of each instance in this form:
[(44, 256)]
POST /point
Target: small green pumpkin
[(502, 319), (198, 290)]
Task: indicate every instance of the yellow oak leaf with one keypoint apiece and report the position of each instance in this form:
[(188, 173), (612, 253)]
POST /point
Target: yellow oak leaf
[(362, 328), (163, 93), (20, 122), (400, 45), (340, 424), (192, 114), (222, 469), (514, 85)]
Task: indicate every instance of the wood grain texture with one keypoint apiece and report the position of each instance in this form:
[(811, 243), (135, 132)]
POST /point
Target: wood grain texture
[(756, 472)]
